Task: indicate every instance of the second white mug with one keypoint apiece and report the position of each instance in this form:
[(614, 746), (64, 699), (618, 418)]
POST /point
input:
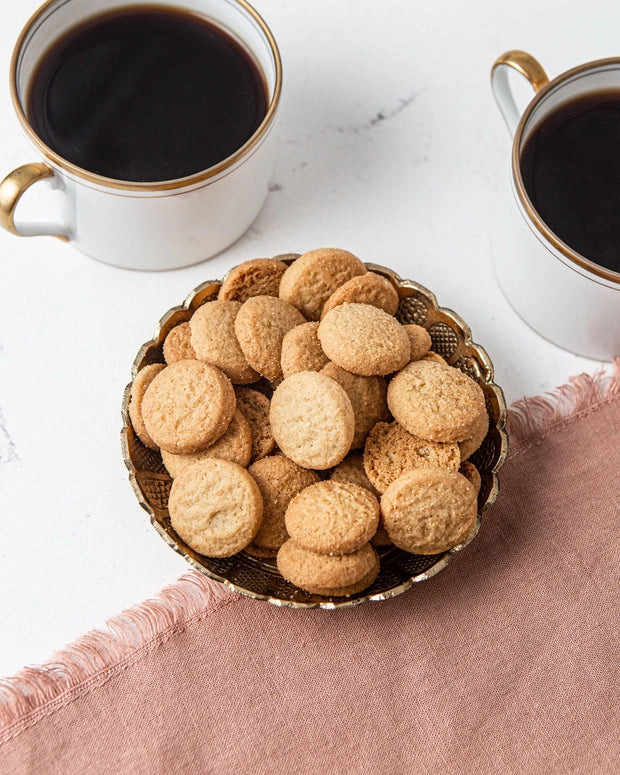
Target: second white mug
[(566, 297)]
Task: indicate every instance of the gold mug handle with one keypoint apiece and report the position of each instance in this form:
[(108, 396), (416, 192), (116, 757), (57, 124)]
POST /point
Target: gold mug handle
[(526, 65), (12, 189)]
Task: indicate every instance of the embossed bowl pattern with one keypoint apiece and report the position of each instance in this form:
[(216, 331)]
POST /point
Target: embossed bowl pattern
[(259, 578)]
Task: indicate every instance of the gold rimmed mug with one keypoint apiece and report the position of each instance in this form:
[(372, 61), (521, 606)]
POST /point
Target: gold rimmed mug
[(160, 225), (566, 297)]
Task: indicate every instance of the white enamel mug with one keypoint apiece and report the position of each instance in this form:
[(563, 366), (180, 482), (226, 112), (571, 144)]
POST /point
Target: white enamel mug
[(564, 296), (149, 226)]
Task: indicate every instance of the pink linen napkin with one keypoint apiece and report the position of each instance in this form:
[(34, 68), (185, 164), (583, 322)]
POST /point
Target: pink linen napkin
[(506, 662)]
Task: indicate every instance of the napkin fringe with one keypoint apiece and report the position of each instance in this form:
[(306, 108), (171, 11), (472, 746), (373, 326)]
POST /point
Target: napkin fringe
[(99, 655), (530, 418)]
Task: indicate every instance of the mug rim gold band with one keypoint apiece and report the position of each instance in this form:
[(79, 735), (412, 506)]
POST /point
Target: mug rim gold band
[(203, 176), (540, 225)]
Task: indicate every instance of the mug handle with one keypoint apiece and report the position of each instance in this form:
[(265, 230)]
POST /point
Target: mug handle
[(523, 63), (12, 188)]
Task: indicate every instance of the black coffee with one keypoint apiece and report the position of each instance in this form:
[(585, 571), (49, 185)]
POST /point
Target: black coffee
[(146, 94), (571, 171)]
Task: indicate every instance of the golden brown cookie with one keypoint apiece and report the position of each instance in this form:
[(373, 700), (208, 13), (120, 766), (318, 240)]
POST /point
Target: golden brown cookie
[(433, 356), (370, 288), (215, 507), (429, 510), (256, 277), (350, 589), (235, 444), (470, 472), (419, 340), (470, 445), (301, 350), (310, 569), (390, 450), (351, 469), (214, 340), (332, 517), (260, 551), (313, 277), (381, 538), (279, 480), (188, 406), (312, 420), (138, 388), (368, 397), (436, 402), (254, 406), (260, 326), (177, 344), (364, 339)]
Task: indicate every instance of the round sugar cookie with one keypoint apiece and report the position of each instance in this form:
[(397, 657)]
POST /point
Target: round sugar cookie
[(332, 517), (260, 326), (312, 420), (254, 406), (470, 445), (390, 450), (188, 406), (350, 589), (301, 350), (370, 288), (429, 510), (314, 276), (138, 388), (178, 344), (256, 277), (433, 356), (419, 341), (279, 480), (351, 469), (214, 340), (364, 339), (215, 507), (368, 397), (235, 444), (436, 402), (260, 551), (310, 569), (470, 472), (381, 538)]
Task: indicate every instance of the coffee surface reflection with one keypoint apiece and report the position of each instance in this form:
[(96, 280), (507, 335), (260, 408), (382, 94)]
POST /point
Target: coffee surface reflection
[(146, 94), (570, 166)]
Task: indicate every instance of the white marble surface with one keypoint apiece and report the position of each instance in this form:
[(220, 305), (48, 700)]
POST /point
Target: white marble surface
[(391, 146)]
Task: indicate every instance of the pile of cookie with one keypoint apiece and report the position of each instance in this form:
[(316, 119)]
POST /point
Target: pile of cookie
[(300, 420)]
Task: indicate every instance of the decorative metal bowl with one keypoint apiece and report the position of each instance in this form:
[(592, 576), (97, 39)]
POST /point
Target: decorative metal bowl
[(259, 578)]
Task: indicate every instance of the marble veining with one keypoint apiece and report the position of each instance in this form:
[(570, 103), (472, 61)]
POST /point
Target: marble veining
[(8, 450)]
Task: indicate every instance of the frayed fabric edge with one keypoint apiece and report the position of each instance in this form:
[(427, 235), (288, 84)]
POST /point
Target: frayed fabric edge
[(100, 654), (529, 419), (97, 656)]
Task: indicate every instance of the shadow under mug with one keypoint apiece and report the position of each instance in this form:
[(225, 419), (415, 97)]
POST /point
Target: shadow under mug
[(149, 226), (564, 296)]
